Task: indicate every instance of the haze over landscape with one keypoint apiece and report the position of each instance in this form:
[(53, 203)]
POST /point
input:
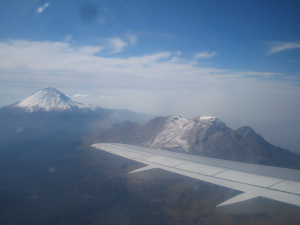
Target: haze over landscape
[(46, 140), (212, 78)]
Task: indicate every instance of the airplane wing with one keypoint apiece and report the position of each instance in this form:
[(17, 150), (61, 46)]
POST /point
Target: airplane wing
[(266, 188)]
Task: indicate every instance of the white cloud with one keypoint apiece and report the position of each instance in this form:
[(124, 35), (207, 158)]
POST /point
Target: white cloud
[(282, 46), (132, 39), (47, 61), (101, 96), (160, 34), (205, 55), (68, 38), (263, 74), (116, 44), (42, 8), (159, 84), (81, 96), (90, 50)]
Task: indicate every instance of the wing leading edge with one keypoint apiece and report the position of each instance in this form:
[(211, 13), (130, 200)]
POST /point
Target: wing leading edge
[(267, 189)]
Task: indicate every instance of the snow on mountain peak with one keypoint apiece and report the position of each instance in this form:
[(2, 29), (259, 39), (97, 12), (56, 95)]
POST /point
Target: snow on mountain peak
[(175, 131), (50, 99)]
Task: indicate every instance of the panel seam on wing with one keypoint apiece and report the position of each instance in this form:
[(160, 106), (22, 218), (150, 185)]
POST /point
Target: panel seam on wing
[(180, 165), (219, 173), (276, 183)]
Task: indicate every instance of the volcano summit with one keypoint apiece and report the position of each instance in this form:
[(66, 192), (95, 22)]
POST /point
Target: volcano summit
[(50, 99)]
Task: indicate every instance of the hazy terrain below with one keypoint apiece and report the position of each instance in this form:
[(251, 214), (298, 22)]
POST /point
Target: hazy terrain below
[(59, 181), (283, 134), (51, 175)]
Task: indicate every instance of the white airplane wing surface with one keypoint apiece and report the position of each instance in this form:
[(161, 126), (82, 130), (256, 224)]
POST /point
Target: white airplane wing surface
[(266, 188)]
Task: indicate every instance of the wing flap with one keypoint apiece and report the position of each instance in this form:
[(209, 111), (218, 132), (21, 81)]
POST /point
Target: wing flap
[(249, 204)]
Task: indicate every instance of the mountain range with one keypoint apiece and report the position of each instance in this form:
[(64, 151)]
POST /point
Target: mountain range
[(205, 136), (49, 113)]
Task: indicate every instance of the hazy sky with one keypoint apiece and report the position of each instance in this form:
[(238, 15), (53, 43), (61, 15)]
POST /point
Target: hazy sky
[(237, 60)]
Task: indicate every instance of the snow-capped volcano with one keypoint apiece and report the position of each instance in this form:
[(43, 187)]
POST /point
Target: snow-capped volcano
[(50, 99), (49, 110)]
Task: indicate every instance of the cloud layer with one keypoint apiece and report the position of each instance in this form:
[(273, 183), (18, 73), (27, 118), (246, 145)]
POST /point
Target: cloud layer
[(42, 8), (47, 61), (110, 97), (205, 55), (158, 84), (282, 46), (81, 96), (132, 39), (116, 44)]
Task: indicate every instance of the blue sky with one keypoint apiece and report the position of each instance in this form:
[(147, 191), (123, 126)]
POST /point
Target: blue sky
[(237, 60), (240, 32)]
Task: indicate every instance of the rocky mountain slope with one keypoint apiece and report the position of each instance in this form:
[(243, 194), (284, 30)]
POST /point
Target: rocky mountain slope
[(205, 136)]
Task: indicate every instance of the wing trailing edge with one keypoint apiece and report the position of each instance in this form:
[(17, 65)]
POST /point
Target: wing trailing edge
[(250, 204), (267, 189)]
